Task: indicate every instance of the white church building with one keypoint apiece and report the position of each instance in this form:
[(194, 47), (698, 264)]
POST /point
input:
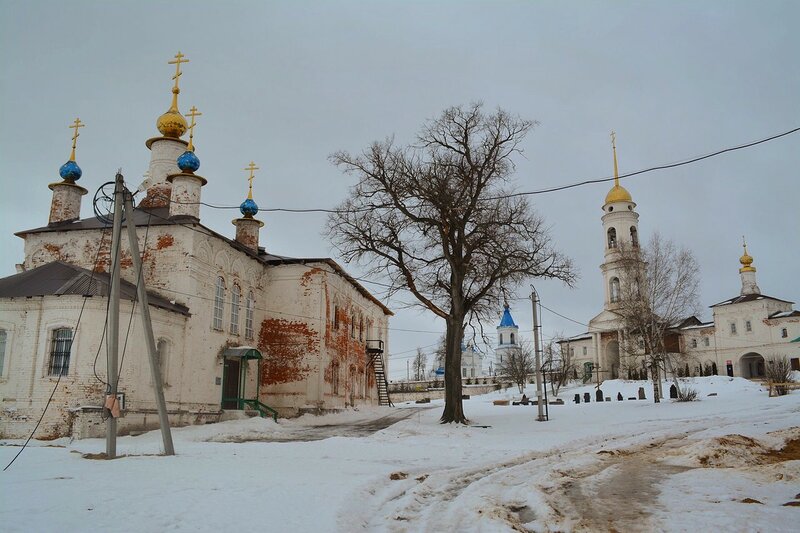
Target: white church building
[(746, 331), (236, 326)]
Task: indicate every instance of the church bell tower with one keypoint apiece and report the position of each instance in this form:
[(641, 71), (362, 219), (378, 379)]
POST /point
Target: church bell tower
[(620, 231)]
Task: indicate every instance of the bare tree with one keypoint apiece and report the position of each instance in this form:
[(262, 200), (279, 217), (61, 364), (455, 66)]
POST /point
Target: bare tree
[(658, 290), (559, 363), (517, 365), (441, 221), (419, 364)]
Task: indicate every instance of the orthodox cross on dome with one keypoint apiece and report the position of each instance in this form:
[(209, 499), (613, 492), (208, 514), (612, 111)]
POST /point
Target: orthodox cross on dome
[(614, 148), (75, 125), (252, 168), (193, 112), (175, 90), (177, 62)]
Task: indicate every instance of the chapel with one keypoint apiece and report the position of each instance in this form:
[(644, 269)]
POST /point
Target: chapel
[(239, 330)]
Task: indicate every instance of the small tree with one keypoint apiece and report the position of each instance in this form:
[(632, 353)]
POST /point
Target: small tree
[(659, 289), (517, 365), (440, 220), (419, 364), (558, 359), (778, 370)]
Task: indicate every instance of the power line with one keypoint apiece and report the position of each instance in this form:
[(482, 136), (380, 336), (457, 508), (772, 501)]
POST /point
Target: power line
[(525, 193)]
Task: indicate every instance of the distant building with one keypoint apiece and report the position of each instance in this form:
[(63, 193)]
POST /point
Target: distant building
[(744, 333), (321, 335)]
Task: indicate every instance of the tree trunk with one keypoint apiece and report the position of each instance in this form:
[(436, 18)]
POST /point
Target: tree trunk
[(453, 407)]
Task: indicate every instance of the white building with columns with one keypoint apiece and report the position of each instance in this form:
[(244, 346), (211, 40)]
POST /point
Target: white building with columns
[(746, 331), (322, 337)]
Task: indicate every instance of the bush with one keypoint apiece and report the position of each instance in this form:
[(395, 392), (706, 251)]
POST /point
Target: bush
[(687, 394), (779, 370)]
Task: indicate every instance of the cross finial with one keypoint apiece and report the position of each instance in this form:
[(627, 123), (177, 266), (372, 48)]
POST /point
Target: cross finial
[(252, 168), (177, 62), (614, 148), (193, 112), (75, 125)]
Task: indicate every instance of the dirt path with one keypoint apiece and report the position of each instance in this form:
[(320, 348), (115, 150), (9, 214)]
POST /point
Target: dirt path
[(359, 428), (620, 492)]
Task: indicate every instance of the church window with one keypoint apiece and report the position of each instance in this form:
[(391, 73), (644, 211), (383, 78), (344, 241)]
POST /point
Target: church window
[(572, 352), (360, 328), (472, 372), (584, 350), (614, 286), (612, 238), (512, 338), (236, 297), (353, 326), (3, 339), (634, 236), (733, 328), (694, 343), (784, 333), (248, 315), (60, 348), (610, 208), (335, 317), (219, 303), (705, 341), (501, 338), (463, 372), (748, 326)]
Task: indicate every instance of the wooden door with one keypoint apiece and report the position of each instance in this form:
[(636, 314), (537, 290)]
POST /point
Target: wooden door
[(230, 383)]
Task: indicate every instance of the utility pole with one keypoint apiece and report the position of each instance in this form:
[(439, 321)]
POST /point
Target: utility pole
[(538, 356), (147, 326), (113, 320)]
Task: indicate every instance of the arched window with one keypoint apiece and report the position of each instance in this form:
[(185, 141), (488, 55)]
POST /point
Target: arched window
[(353, 326), (335, 316), (236, 297), (361, 327), (614, 286), (60, 348), (219, 303), (612, 238), (335, 377), (501, 338), (634, 237), (248, 315), (512, 338)]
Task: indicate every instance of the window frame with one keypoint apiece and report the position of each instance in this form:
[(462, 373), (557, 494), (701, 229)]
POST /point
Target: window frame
[(784, 333), (236, 302), (4, 336), (62, 369), (249, 314), (218, 312)]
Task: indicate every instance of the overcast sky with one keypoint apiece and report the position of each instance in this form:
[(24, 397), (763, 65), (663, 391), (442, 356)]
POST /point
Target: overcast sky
[(287, 83)]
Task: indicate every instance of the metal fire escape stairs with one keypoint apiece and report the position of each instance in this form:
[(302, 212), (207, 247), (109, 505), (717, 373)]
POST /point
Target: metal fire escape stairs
[(375, 359)]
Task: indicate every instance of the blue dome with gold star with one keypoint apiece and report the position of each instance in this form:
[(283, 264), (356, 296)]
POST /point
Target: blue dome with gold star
[(249, 208), (188, 162), (70, 171)]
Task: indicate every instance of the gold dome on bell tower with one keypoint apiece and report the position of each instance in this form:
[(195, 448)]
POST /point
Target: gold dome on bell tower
[(172, 123), (746, 260), (618, 193)]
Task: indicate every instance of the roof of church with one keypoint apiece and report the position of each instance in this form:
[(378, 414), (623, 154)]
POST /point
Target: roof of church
[(159, 216), (507, 321), (59, 278), (784, 314), (749, 298)]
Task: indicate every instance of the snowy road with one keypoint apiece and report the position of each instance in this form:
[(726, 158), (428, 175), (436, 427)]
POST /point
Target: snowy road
[(725, 463)]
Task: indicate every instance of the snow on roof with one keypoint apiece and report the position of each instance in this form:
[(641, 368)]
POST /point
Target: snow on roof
[(784, 314), (700, 326)]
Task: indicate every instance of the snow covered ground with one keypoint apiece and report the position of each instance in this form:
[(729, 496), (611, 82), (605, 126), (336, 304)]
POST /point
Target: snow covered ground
[(729, 462)]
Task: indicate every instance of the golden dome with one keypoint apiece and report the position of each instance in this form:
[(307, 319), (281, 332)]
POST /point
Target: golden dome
[(172, 124), (618, 193), (747, 261)]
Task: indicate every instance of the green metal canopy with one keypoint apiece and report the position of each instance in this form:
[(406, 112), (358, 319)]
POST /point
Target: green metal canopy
[(244, 352), (796, 340)]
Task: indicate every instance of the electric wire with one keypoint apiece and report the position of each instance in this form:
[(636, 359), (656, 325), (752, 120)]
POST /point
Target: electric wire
[(546, 190)]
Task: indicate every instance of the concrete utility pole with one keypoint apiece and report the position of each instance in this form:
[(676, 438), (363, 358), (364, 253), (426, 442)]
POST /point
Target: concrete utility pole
[(147, 326), (113, 318), (538, 356)]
